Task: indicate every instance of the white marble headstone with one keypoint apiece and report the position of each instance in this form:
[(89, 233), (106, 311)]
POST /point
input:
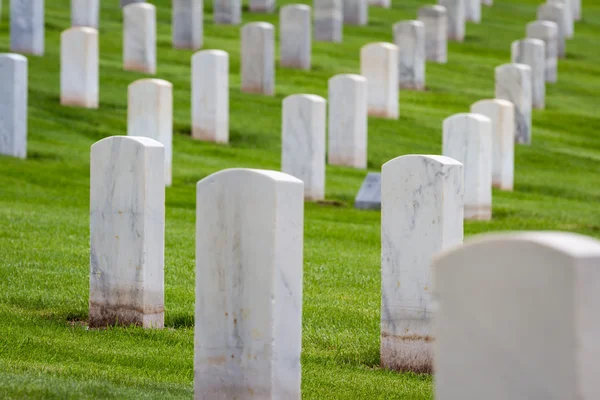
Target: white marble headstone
[(79, 65), (421, 214), (409, 36), (548, 32), (517, 318), (295, 33), (126, 2), (532, 52), (576, 10), (13, 105), (303, 142), (567, 15), (456, 18), (249, 244), (348, 121), (473, 10), (139, 38), (227, 12), (513, 83), (258, 58), (369, 194), (328, 20), (356, 12), (487, 2), (27, 26), (85, 13), (188, 24), (555, 13), (264, 6), (150, 114), (468, 138), (435, 19), (379, 64), (127, 229)]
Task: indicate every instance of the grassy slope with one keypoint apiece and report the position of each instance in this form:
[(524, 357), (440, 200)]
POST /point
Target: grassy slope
[(44, 203)]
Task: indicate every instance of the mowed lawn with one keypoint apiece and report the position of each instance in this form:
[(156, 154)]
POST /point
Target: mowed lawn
[(46, 350)]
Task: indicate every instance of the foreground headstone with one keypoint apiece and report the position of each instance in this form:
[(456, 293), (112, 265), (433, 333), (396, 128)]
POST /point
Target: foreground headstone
[(295, 36), (127, 228), (258, 58), (409, 36), (264, 6), (513, 83), (555, 13), (188, 24), (421, 214), (210, 96), (567, 16), (13, 105), (502, 115), (85, 13), (435, 19), (126, 2), (468, 139), (517, 318), (356, 12), (150, 114), (456, 18), (532, 52), (227, 12), (548, 32), (249, 243), (369, 194), (303, 142), (348, 121), (379, 64), (139, 38), (328, 20), (473, 10), (27, 26), (79, 82)]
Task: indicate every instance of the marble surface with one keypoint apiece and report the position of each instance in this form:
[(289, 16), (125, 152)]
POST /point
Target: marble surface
[(502, 115), (555, 13), (409, 36), (456, 19), (210, 96), (265, 6), (295, 32), (519, 311), (355, 12), (532, 52), (347, 121), (487, 2), (421, 214), (435, 20), (188, 24), (150, 114), (27, 26), (249, 267), (123, 3), (127, 229), (227, 12), (380, 3), (379, 64), (13, 105), (513, 83), (473, 10), (548, 32), (79, 65), (258, 58), (467, 138), (303, 142), (85, 13), (328, 20), (139, 38), (576, 10), (567, 16), (369, 194)]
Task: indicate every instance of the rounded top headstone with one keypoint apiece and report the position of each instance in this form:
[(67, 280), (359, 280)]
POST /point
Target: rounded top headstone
[(432, 10)]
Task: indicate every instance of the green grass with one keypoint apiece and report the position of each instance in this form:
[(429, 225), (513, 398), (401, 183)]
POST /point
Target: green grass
[(45, 350)]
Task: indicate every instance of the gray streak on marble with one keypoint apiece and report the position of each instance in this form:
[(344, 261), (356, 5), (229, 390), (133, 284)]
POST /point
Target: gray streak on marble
[(369, 195), (85, 13), (258, 58), (555, 13), (13, 105), (548, 32), (328, 20), (435, 20), (456, 19), (27, 26), (532, 52), (188, 24), (295, 33), (513, 83), (356, 12), (139, 38), (409, 36)]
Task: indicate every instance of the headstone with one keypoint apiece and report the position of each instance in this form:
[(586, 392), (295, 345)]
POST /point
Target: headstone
[(139, 38), (258, 58), (249, 243), (409, 36), (513, 83), (79, 64), (487, 2), (150, 114), (548, 32), (380, 3), (127, 229), (303, 142), (473, 10), (435, 19), (126, 2), (369, 195), (456, 18), (421, 215), (356, 12), (27, 26), (210, 96), (227, 12), (502, 115), (532, 52), (379, 64), (264, 6), (85, 13), (567, 16), (555, 13), (518, 318), (576, 10), (188, 24), (328, 20), (468, 139), (13, 105), (348, 121), (295, 36)]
